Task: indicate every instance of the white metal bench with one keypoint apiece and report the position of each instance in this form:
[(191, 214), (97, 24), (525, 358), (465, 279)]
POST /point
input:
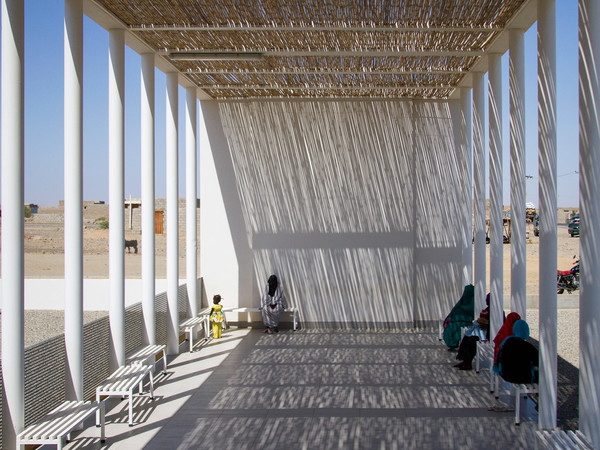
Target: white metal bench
[(559, 439), (147, 355), (522, 389), (249, 310), (122, 384), (56, 426), (189, 326)]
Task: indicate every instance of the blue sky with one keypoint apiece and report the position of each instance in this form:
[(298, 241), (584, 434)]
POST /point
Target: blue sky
[(44, 110)]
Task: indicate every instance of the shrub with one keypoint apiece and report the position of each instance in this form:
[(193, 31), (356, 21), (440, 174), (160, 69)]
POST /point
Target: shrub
[(102, 222), (27, 212)]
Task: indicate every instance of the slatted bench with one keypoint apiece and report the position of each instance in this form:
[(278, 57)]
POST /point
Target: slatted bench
[(122, 384), (522, 389), (190, 325), (294, 311), (55, 428), (147, 355), (559, 439)]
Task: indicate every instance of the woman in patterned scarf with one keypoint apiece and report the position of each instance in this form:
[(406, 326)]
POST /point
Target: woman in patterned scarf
[(272, 305)]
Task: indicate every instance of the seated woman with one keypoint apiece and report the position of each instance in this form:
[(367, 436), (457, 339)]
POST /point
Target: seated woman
[(460, 316), (272, 305), (477, 331), (518, 360), (505, 331)]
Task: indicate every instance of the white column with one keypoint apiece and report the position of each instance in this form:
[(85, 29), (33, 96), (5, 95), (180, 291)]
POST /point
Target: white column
[(13, 355), (548, 203), (148, 183), (479, 261), (116, 195), (466, 142), (518, 278), (496, 215), (172, 216), (191, 218), (73, 155), (589, 166)]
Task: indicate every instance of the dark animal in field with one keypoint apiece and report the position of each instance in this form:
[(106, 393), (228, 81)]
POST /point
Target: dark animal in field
[(131, 244)]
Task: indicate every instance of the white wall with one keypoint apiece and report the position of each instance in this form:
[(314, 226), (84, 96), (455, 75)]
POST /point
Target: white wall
[(50, 293), (353, 204)]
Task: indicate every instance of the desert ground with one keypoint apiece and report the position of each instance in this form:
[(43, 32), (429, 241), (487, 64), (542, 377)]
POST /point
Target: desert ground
[(44, 250), (44, 247)]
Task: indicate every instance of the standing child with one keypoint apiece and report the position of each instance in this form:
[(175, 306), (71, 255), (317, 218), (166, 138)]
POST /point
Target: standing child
[(216, 316)]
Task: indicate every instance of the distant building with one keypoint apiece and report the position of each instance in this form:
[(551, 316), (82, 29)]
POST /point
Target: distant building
[(133, 215)]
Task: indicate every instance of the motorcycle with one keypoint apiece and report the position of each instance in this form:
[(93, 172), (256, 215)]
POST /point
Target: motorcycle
[(568, 279)]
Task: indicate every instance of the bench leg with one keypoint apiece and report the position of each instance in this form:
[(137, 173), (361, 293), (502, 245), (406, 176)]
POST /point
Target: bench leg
[(191, 338), (98, 418), (131, 407), (164, 361), (295, 320), (151, 386), (102, 423), (517, 406)]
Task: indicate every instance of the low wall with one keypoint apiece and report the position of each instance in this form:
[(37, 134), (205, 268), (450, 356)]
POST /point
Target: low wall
[(50, 293), (46, 363)]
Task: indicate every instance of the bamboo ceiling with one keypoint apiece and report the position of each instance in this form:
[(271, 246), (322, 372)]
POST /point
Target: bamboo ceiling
[(318, 48)]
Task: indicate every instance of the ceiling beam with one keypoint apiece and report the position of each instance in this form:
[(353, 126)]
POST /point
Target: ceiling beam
[(325, 71), (327, 53), (522, 20), (109, 21), (331, 87), (318, 28)]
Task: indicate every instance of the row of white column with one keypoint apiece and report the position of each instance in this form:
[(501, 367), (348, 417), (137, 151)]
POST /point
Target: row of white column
[(12, 132), (475, 270)]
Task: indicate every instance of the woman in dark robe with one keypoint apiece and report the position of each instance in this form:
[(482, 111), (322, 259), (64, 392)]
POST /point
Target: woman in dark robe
[(518, 360), (272, 305)]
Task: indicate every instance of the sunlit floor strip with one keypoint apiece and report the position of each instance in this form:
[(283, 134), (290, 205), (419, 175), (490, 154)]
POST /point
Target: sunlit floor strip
[(187, 374)]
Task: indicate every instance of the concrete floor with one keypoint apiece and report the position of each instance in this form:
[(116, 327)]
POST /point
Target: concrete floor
[(317, 390)]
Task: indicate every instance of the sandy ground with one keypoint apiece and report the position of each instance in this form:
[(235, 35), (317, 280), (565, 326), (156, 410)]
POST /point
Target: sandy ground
[(44, 248), (44, 251)]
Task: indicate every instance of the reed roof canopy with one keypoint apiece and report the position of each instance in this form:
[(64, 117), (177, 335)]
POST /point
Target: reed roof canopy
[(251, 49)]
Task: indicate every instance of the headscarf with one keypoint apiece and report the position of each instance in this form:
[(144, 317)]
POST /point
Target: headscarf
[(460, 316), (521, 329), (505, 331), (272, 282)]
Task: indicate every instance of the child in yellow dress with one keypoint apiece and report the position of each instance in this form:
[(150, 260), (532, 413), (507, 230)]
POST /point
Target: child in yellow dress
[(216, 316)]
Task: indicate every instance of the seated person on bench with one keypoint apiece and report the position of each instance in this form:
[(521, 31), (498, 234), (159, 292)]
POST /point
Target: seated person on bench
[(518, 360), (460, 316), (272, 305), (477, 331)]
